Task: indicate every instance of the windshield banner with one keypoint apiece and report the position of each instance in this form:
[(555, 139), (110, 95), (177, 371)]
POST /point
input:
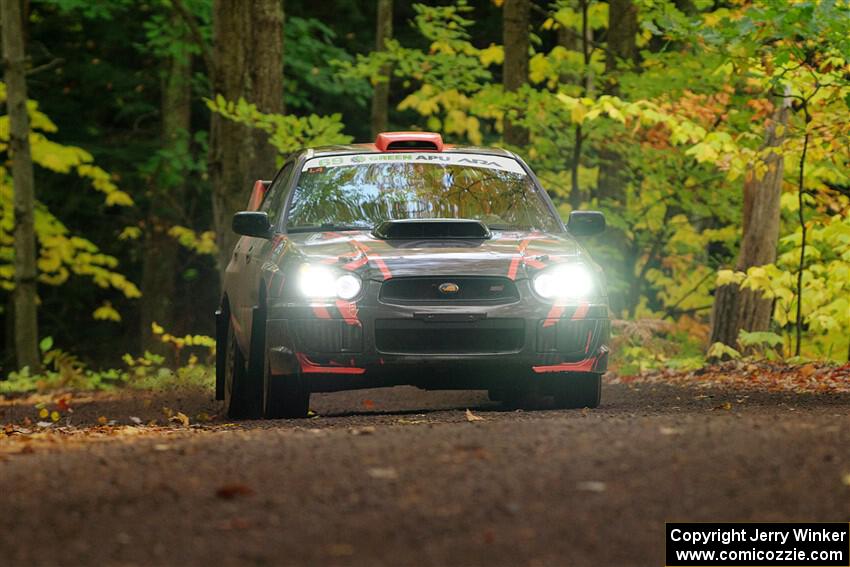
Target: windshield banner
[(444, 158)]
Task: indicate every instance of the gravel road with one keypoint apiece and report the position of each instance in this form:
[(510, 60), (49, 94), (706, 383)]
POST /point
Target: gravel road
[(403, 477)]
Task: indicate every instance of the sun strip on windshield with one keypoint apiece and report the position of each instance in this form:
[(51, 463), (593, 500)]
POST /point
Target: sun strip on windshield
[(498, 163)]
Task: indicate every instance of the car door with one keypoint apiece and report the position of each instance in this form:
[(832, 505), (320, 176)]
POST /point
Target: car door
[(256, 251)]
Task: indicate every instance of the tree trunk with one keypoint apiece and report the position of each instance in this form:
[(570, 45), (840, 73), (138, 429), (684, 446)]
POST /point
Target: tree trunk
[(515, 17), (381, 93), (15, 62), (735, 309), (622, 31), (586, 88), (622, 46), (248, 60), (161, 252)]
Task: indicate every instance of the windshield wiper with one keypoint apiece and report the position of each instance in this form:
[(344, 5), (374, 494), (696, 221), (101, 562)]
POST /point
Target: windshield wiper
[(328, 227)]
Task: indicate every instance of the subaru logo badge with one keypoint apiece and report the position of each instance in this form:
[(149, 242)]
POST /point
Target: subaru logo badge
[(449, 288)]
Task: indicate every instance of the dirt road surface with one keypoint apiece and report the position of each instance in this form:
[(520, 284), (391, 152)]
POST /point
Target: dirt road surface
[(403, 477)]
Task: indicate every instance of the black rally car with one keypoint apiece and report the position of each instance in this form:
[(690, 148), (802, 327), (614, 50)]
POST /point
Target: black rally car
[(408, 261)]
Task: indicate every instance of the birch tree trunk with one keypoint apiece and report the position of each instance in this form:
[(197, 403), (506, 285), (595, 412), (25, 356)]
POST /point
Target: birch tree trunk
[(25, 308), (248, 63), (515, 17), (622, 46), (734, 308), (381, 92)]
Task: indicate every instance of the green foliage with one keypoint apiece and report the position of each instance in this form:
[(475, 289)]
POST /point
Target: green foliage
[(678, 131), (310, 58), (719, 351), (65, 371), (287, 133), (61, 253)]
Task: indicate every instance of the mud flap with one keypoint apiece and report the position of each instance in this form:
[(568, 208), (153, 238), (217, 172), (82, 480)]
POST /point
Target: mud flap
[(256, 354), (221, 325)]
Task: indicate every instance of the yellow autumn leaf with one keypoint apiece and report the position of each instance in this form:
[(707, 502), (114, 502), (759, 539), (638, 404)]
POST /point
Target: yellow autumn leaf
[(726, 277), (130, 233), (106, 313), (492, 55)]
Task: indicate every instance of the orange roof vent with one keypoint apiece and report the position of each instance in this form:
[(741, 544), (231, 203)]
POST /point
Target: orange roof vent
[(409, 142)]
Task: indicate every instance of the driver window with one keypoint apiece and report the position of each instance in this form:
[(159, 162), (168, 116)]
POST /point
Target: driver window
[(276, 196)]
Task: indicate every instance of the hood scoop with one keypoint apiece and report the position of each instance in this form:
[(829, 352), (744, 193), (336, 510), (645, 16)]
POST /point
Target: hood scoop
[(432, 229)]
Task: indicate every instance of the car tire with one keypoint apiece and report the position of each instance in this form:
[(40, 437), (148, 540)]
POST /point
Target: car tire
[(286, 396), (579, 390), (240, 394)]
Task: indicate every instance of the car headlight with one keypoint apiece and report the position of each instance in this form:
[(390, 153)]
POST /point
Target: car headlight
[(320, 282), (569, 281)]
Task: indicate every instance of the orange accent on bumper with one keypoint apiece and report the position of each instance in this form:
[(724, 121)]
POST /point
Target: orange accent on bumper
[(348, 310), (583, 366), (310, 367), (321, 312), (581, 311), (553, 316)]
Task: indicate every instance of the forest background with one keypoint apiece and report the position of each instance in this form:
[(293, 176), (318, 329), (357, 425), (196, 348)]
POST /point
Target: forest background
[(713, 134)]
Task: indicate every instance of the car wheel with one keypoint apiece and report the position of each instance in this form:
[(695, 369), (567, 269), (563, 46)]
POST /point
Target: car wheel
[(286, 396), (240, 399), (579, 390)]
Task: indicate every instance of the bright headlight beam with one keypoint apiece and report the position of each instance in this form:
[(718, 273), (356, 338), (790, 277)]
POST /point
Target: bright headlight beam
[(347, 286), (571, 281), (319, 282)]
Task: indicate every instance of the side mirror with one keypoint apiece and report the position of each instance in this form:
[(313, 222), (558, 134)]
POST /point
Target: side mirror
[(252, 223), (586, 223)]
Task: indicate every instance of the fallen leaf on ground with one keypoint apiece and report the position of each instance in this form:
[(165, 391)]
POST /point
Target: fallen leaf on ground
[(591, 486), (102, 420), (812, 377), (472, 417), (231, 491), (365, 430), (64, 402), (180, 418), (846, 479), (383, 473), (368, 404), (669, 431)]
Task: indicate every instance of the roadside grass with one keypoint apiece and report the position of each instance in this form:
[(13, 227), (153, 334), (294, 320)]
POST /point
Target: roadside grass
[(191, 364)]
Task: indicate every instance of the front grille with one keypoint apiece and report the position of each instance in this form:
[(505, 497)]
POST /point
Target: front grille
[(470, 290), (410, 336)]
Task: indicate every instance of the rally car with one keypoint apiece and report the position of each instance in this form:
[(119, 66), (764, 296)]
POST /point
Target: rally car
[(408, 261)]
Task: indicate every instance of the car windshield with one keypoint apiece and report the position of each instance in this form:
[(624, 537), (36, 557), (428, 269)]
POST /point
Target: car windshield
[(361, 191)]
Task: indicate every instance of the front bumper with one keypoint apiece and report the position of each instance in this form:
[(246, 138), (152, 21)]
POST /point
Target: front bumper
[(338, 345)]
